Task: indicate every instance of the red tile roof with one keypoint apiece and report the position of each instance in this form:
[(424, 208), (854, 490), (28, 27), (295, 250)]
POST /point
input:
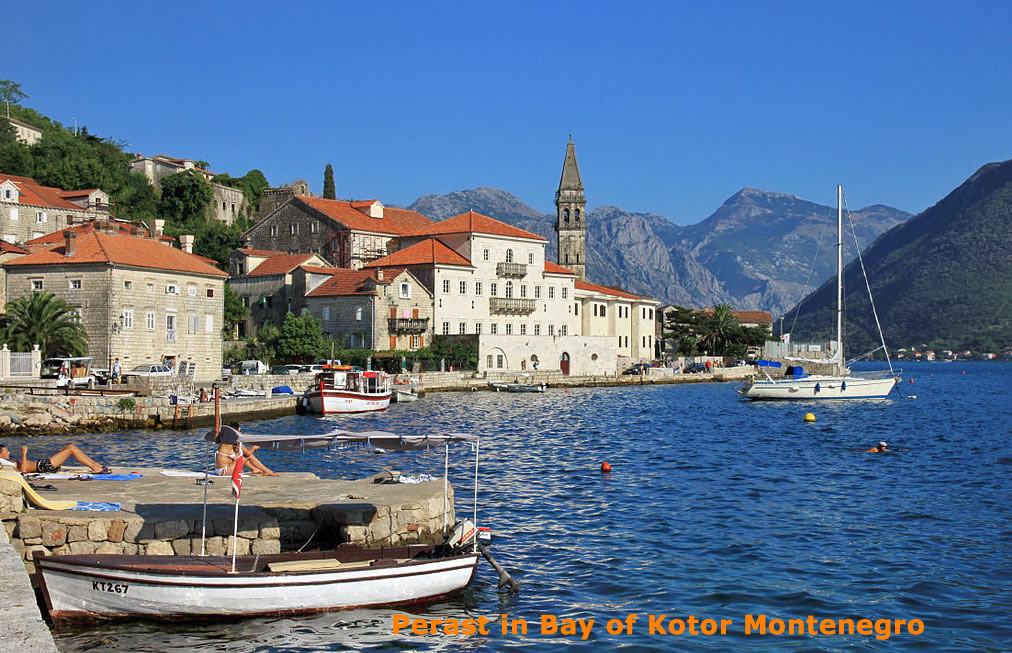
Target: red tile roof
[(119, 249), (427, 252), (352, 282), (38, 195), (279, 264), (259, 253), (394, 221), (77, 193), (617, 292), (125, 228), (556, 269), (474, 223), (316, 269), (7, 247), (753, 317)]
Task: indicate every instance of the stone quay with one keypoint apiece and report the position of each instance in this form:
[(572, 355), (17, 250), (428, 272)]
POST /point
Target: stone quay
[(162, 515)]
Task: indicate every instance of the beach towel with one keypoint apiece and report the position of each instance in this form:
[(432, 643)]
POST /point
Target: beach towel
[(97, 505), (113, 477), (87, 477), (186, 474)]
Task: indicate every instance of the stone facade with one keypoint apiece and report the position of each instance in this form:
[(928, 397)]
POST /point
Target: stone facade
[(29, 211), (273, 198), (25, 133), (383, 309), (346, 234), (135, 313), (227, 204), (272, 291)]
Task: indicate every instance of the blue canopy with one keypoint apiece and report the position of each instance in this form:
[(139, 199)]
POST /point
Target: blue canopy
[(766, 363)]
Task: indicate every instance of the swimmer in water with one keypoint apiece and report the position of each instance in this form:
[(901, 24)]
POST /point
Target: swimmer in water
[(881, 447)]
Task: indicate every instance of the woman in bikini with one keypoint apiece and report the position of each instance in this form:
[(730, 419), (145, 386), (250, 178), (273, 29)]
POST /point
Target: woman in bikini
[(51, 464), (228, 453)]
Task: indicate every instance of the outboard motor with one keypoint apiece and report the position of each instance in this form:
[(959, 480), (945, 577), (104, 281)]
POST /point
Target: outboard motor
[(461, 537)]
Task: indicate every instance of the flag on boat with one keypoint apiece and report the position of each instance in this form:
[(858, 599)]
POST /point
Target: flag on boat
[(237, 477)]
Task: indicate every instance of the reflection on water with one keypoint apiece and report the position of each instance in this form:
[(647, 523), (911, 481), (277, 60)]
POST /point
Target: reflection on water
[(714, 507)]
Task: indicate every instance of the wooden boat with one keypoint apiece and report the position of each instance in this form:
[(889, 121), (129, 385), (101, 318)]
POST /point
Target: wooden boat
[(343, 390), (526, 387), (79, 587)]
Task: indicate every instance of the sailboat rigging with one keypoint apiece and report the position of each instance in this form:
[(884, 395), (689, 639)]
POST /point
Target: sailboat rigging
[(841, 383)]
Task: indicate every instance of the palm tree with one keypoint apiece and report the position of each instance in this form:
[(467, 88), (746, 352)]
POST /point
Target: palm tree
[(720, 325), (42, 319)]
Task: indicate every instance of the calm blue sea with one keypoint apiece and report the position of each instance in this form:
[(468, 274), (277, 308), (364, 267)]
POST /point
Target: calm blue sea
[(715, 508)]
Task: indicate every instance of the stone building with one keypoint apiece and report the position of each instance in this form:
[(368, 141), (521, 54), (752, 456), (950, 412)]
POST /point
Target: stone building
[(345, 234), (8, 252), (24, 132), (227, 204), (570, 219), (381, 308), (29, 210), (139, 299), (491, 279), (273, 198), (272, 284)]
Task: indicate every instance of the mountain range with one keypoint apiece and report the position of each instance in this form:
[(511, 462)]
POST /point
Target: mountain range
[(942, 279), (754, 252)]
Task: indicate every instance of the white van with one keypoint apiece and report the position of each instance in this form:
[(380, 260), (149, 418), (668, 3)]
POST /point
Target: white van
[(73, 372), (252, 367)]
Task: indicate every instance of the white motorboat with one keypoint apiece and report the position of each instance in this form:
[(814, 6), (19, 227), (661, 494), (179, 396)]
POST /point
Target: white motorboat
[(839, 385), (344, 390), (404, 395)]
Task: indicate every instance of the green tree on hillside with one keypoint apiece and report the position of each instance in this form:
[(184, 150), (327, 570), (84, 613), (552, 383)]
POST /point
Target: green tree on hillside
[(234, 310), (15, 158), (329, 192), (252, 184), (185, 196), (10, 91), (42, 319), (301, 337)]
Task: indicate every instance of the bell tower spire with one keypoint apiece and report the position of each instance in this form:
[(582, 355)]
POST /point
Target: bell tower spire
[(570, 219)]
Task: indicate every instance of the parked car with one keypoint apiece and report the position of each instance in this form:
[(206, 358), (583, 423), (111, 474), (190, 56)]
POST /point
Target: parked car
[(249, 367), (311, 369), (286, 369), (695, 368), (71, 372), (639, 368), (147, 371)]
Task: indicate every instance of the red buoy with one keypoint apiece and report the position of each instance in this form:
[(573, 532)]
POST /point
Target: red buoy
[(605, 468), (911, 380)]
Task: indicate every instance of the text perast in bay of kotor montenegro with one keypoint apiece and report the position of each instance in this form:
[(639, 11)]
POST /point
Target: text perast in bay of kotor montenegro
[(658, 624)]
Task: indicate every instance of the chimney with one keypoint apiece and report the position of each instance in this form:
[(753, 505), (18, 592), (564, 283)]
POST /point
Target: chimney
[(379, 275), (69, 242), (186, 243), (156, 233)]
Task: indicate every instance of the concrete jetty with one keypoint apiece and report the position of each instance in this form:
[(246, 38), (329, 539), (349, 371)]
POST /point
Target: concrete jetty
[(163, 514), (21, 628)]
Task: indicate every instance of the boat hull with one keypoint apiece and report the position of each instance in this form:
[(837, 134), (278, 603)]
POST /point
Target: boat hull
[(326, 402), (815, 388), (404, 396), (87, 587)]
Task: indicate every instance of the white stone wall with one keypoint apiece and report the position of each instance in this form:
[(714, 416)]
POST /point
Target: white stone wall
[(588, 355)]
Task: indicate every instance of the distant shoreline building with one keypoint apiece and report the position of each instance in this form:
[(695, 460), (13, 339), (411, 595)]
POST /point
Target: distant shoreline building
[(27, 134), (228, 203)]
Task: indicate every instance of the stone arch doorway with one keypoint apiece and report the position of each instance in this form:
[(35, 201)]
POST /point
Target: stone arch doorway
[(564, 364), (496, 360)]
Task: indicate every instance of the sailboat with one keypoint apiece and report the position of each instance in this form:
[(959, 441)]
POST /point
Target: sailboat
[(841, 384)]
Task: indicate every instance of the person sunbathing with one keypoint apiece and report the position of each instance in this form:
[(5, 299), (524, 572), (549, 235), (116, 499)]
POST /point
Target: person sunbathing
[(51, 464), (228, 452)]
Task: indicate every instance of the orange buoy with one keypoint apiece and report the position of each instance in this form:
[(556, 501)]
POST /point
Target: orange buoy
[(964, 371), (911, 380), (605, 468)]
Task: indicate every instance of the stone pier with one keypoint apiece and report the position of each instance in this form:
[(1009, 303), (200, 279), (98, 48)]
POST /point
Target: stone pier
[(163, 515)]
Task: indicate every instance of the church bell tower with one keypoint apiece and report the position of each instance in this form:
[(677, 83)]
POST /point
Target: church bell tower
[(570, 219)]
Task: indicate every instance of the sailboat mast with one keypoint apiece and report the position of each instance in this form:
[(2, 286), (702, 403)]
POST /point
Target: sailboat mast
[(839, 278)]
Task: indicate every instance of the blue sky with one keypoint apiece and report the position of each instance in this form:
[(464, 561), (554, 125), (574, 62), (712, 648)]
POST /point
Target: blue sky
[(673, 106)]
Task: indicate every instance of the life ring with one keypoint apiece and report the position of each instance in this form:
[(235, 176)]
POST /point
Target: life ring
[(474, 389)]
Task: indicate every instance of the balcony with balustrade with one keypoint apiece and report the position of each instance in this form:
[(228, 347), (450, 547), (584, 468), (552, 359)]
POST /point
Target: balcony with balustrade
[(511, 305), (511, 269), (408, 324)]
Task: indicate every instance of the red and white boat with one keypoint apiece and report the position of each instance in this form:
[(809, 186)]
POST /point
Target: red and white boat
[(344, 390)]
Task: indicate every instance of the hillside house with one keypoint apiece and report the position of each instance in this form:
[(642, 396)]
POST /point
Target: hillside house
[(272, 284), (227, 204), (29, 210), (345, 234)]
